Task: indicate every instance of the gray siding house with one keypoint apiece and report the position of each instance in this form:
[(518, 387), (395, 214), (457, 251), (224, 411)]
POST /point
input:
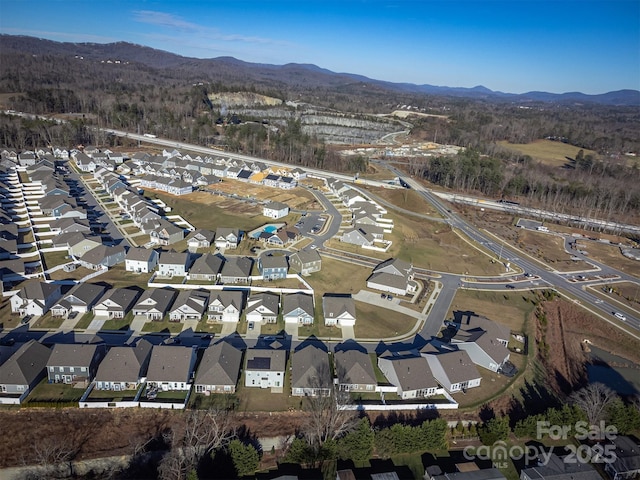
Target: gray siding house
[(219, 369), (23, 370), (74, 363)]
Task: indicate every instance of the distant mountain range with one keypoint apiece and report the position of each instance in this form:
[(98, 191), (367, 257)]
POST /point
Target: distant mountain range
[(289, 74)]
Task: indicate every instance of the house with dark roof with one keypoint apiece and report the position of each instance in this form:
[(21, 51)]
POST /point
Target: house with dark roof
[(554, 467), (173, 264), (22, 371), (297, 308), (484, 340), (200, 238), (410, 374), (116, 303), (103, 256), (81, 299), (154, 303), (454, 370), (626, 462), (140, 260), (225, 306), (171, 368), (265, 368), (219, 369), (207, 267), (263, 307), (311, 373), (472, 474), (394, 276), (74, 363), (124, 368), (357, 236), (189, 305), (275, 210), (273, 267), (305, 262), (35, 298), (236, 270), (339, 310), (165, 233), (227, 237), (354, 371)]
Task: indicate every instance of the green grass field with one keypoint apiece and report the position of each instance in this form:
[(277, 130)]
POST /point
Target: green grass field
[(547, 152)]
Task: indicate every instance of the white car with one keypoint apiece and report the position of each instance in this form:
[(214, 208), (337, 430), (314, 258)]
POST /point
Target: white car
[(620, 316)]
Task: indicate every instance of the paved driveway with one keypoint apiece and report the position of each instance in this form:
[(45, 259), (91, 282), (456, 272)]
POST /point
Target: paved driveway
[(348, 333), (292, 329)]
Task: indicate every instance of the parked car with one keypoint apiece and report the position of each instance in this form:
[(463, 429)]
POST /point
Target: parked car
[(26, 319)]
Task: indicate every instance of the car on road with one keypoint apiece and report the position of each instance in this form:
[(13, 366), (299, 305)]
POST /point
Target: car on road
[(26, 319), (619, 316), (508, 285), (313, 247)]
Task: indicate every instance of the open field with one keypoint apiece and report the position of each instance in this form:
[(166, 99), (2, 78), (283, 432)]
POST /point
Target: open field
[(338, 277), (625, 294), (547, 152), (611, 255), (296, 198), (509, 309), (118, 277), (550, 249), (374, 322), (404, 198)]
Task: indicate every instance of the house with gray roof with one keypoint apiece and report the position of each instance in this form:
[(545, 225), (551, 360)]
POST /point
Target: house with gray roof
[(22, 371), (140, 260), (116, 303), (394, 276), (474, 474), (354, 371), (311, 373), (554, 467), (103, 256), (339, 310), (219, 369), (164, 232), (35, 298), (484, 340), (124, 368), (305, 262), (78, 243), (263, 307), (227, 237), (275, 210), (189, 305), (171, 368), (410, 374), (200, 238), (154, 303), (265, 368), (207, 267), (236, 270), (357, 236), (626, 461), (81, 299), (67, 225), (273, 267), (297, 308), (225, 306), (454, 370), (74, 363), (173, 264)]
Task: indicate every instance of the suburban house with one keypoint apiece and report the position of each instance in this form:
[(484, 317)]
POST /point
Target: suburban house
[(74, 362), (171, 368), (225, 305), (227, 237), (124, 368), (35, 298), (265, 368), (207, 267), (23, 370), (190, 305), (154, 303), (554, 467), (339, 310), (354, 371), (219, 369), (358, 236), (273, 267), (484, 340), (201, 238), (275, 210), (81, 299), (103, 256), (140, 260), (410, 374), (116, 303), (77, 243), (454, 370), (164, 232), (297, 308), (305, 262), (626, 462), (236, 270), (263, 307), (69, 225), (173, 264), (310, 372), (474, 473), (393, 276)]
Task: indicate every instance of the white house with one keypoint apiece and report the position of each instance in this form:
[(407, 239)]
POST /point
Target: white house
[(265, 368), (275, 210), (140, 260), (339, 310)]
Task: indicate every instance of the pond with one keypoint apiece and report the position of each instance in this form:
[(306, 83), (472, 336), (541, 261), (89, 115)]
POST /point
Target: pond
[(616, 372)]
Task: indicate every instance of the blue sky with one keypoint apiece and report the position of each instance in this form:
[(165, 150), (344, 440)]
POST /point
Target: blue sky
[(512, 46)]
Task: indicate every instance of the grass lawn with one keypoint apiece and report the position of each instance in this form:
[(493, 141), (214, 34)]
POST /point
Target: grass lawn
[(112, 395), (272, 328), (118, 323), (611, 255), (162, 326), (205, 327), (53, 259), (118, 277), (549, 248), (55, 392), (404, 198), (509, 309), (48, 321), (252, 399), (337, 277), (626, 295), (84, 321), (380, 378), (281, 283), (374, 322), (77, 274), (547, 152)]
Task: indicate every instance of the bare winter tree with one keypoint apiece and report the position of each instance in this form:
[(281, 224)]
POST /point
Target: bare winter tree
[(593, 400), (202, 432)]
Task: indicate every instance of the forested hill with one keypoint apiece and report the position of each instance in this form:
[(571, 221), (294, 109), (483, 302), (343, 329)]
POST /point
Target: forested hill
[(284, 76)]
